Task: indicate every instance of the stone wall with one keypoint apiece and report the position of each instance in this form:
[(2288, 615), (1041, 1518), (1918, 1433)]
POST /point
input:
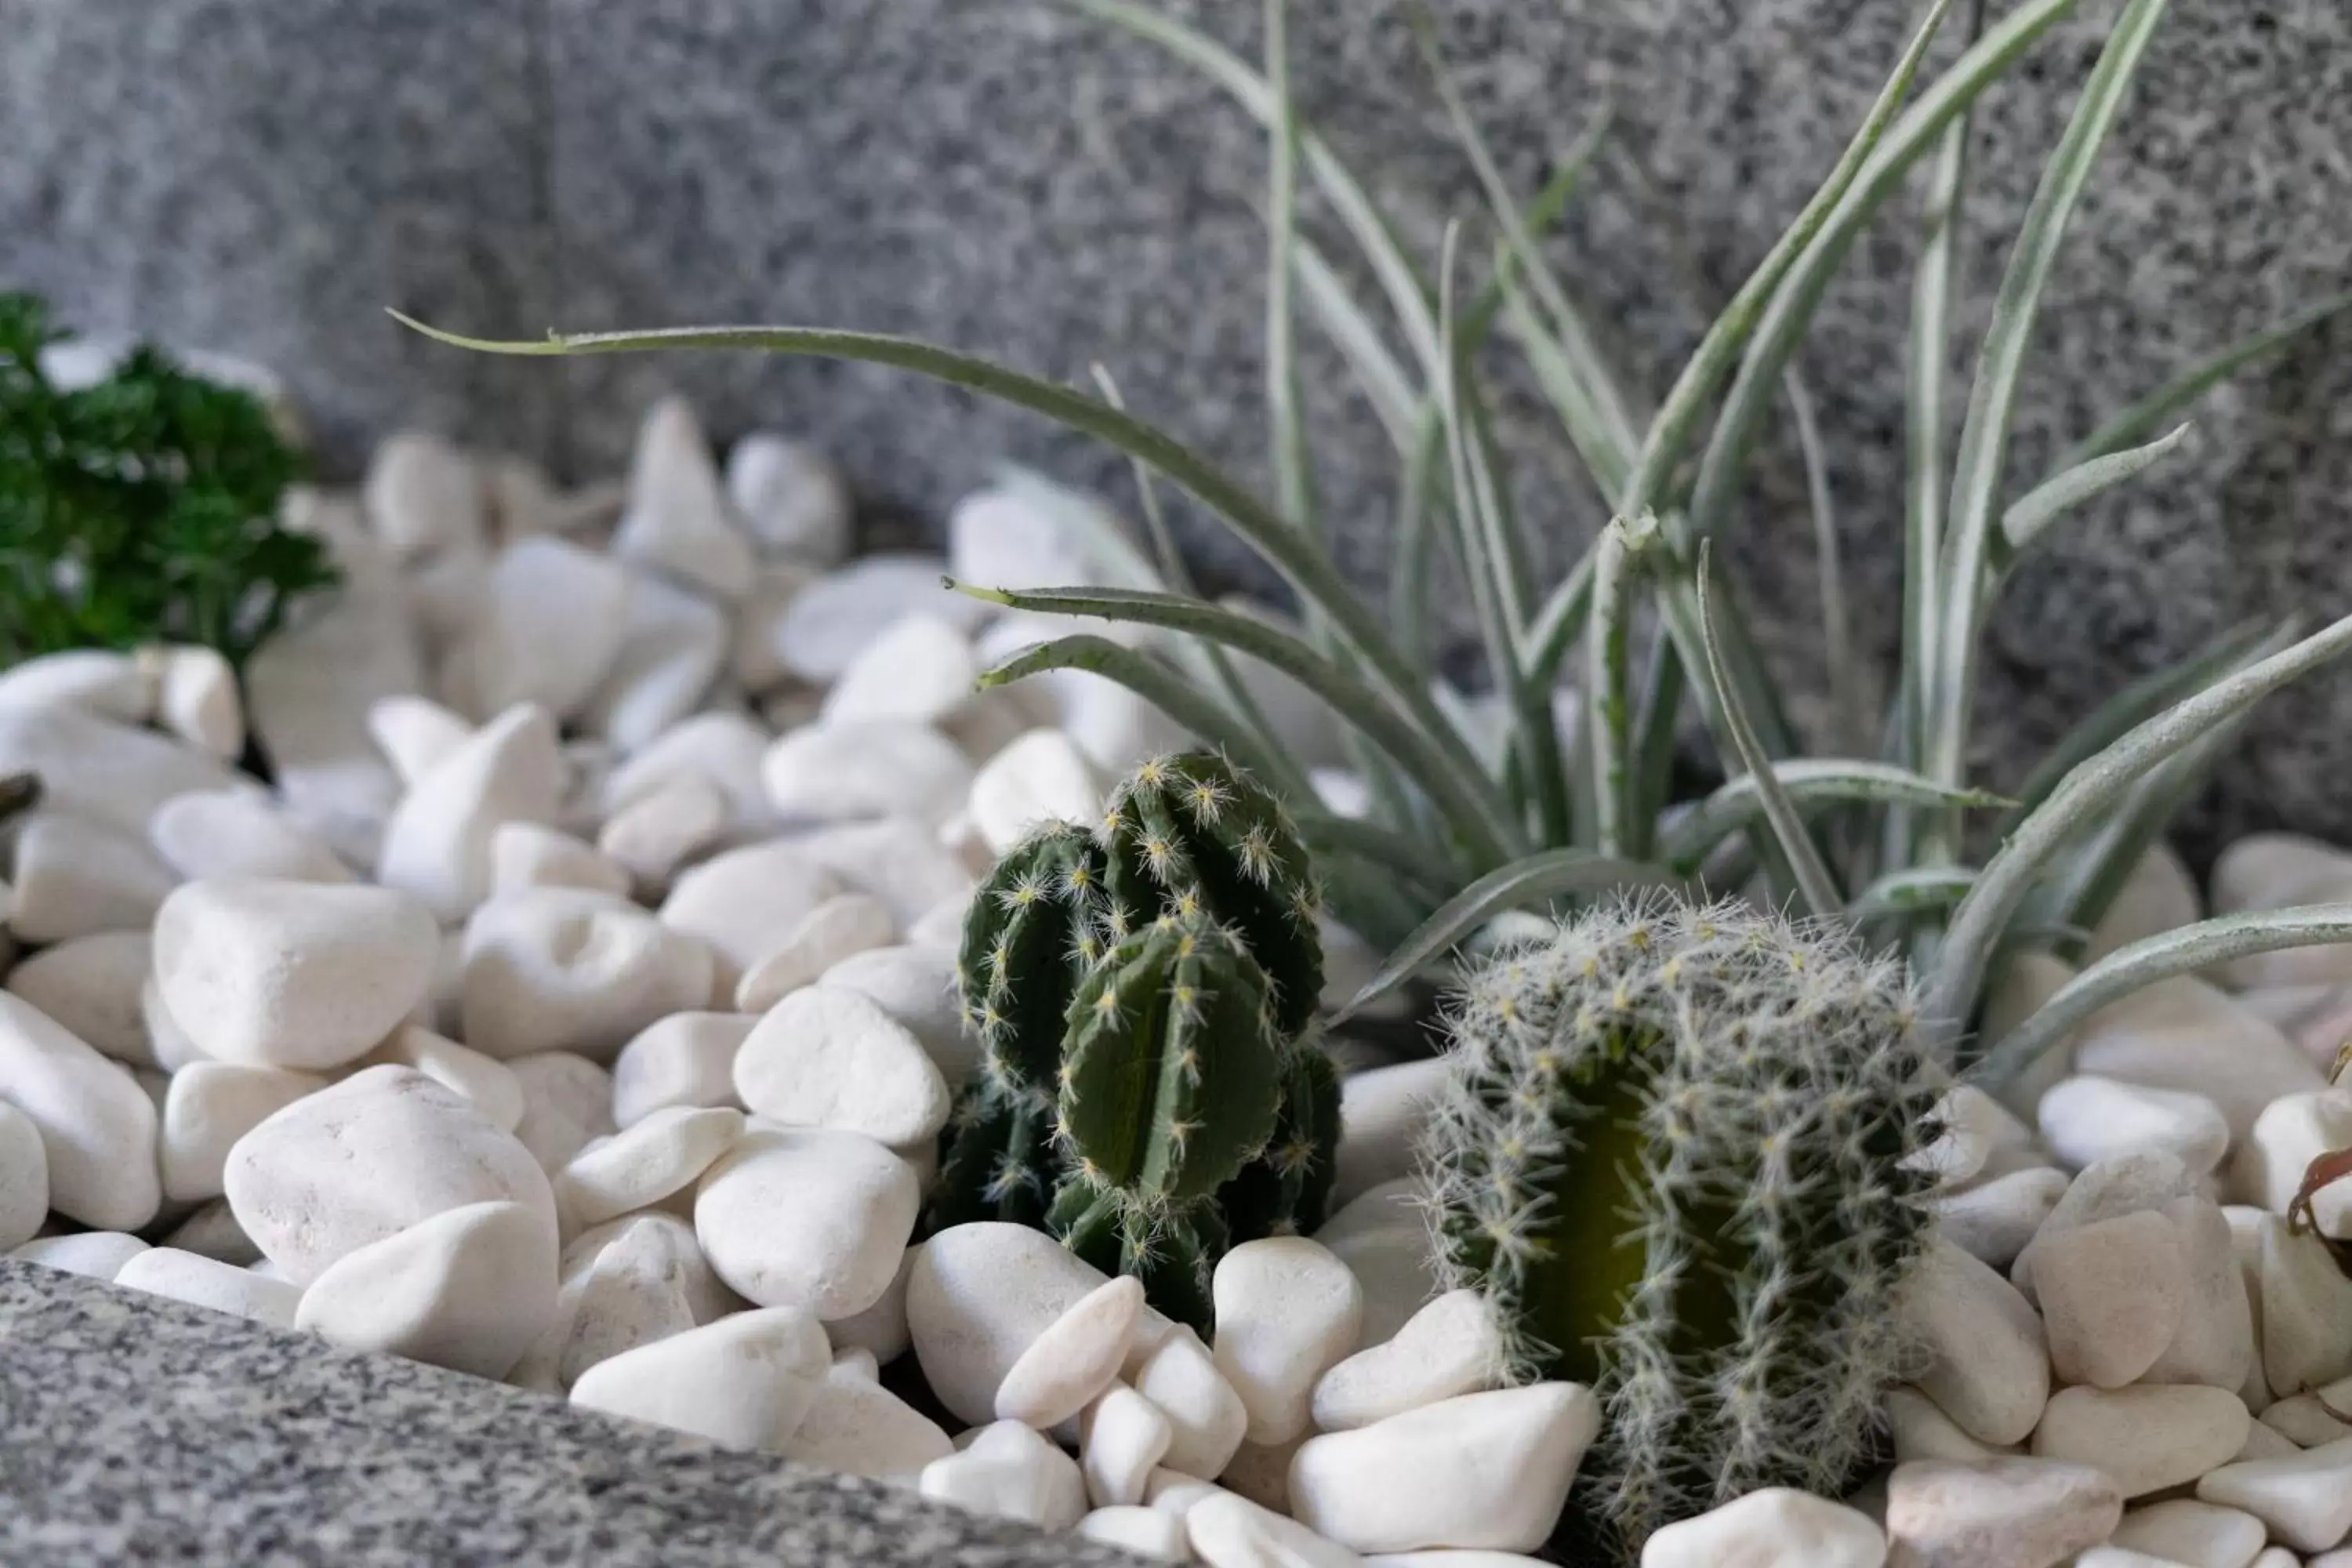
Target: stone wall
[(264, 175)]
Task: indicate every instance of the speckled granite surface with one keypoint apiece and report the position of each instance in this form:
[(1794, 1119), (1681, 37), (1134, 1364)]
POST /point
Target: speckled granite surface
[(1006, 176), (136, 1431)]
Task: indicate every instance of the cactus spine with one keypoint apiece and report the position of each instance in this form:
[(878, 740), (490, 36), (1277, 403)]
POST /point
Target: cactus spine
[(1142, 991), (1678, 1155)]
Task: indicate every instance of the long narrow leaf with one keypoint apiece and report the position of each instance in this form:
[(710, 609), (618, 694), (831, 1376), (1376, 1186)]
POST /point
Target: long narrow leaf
[(1982, 458), (1394, 852), (1912, 891), (2093, 789), (1814, 883), (1294, 485), (1607, 458), (2142, 964), (1379, 376), (1564, 618), (1438, 763), (1807, 781), (2026, 518), (1609, 680), (1849, 726), (1538, 879), (2089, 885)]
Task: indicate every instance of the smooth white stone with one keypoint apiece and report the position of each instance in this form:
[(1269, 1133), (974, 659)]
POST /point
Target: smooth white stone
[(1982, 1359), (24, 1178), (295, 974), (1448, 1348), (915, 984), (620, 1285), (416, 733), (1945, 1515), (1774, 1527), (807, 1216), (2142, 1181), (851, 770), (468, 1289), (2305, 1501), (685, 1059), (856, 1427), (879, 1331), (672, 645), (1026, 531), (1920, 1430), (660, 831), (1993, 1220), (2306, 1311), (979, 1296), (2160, 895), (551, 622), (2117, 1557), (563, 969), (2267, 1442), (91, 985), (745, 902), (644, 1164), (1173, 1492), (830, 622), (2146, 1438), (1286, 1311), (842, 927), (197, 700), (1008, 1471), (2215, 1342), (566, 1100), (754, 662), (209, 1107), (237, 833), (1076, 1358), (74, 878), (97, 1254), (790, 498), (1231, 1532), (2274, 870), (438, 844), (919, 669), (1974, 1126), (211, 1231), (2112, 1294), (2199, 1534), (677, 521), (737, 1381), (719, 747), (97, 1125), (1479, 1470), (525, 855), (168, 1043), (828, 1057), (383, 1151), (2292, 1131), (2305, 1420), (110, 774), (422, 496), (1121, 1438), (662, 1242), (1039, 777), (1145, 1532), (1397, 1269), (203, 1282), (2183, 1035), (2086, 1118), (899, 860), (1381, 1113), (100, 681), (1206, 1417)]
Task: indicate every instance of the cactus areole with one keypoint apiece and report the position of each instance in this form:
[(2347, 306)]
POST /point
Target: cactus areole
[(1678, 1154)]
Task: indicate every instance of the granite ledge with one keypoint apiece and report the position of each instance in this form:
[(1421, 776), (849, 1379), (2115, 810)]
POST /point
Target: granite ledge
[(138, 1430)]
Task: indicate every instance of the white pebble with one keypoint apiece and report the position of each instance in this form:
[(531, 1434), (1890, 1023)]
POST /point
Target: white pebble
[(807, 1216), (856, 1427), (415, 733), (2200, 1534), (24, 1178), (566, 1100), (841, 927), (74, 878), (196, 700), (848, 770), (2273, 870), (549, 627), (676, 519), (832, 619), (422, 496), (1122, 1436), (2215, 1342), (467, 1289), (203, 1282), (2147, 1438), (1479, 1470), (685, 1059), (2144, 1180), (292, 974), (97, 1125), (1982, 1357), (2112, 1294), (919, 668), (208, 1108), (2306, 1316), (878, 1331), (438, 844), (115, 776), (746, 902), (915, 985), (665, 827), (1993, 1220), (673, 643), (1039, 777), (1075, 1359), (899, 860), (979, 1297), (525, 855), (490, 1083), (101, 681), (1381, 1113), (1448, 1348), (1944, 1515), (1230, 1532), (2086, 1118), (643, 1164), (739, 1381), (1009, 1471), (1773, 1527), (2305, 1501), (720, 748), (97, 1254), (1919, 1429), (563, 969), (383, 1150), (1206, 1417), (791, 497), (1286, 1311), (824, 1057), (91, 985), (237, 833), (1145, 1532), (1975, 1128), (2305, 1421), (2292, 1131), (619, 1286), (2184, 1035)]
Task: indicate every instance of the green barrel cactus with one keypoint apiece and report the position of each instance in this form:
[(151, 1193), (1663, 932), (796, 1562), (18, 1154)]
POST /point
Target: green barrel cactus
[(1679, 1155), (1143, 991)]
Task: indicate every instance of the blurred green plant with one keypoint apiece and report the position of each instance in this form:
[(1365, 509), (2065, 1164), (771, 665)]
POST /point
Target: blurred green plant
[(1870, 831), (141, 508)]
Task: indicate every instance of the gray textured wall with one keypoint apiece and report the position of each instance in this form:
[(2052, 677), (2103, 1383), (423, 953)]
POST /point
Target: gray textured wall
[(262, 175)]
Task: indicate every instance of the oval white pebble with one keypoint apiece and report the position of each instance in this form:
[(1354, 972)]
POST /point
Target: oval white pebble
[(211, 1105), (746, 902), (2084, 1120), (91, 985), (24, 1178), (1206, 1417), (1944, 1515), (841, 927), (97, 1125), (845, 770), (98, 1254), (979, 1296), (1230, 1532), (1448, 1348), (1146, 1532), (563, 969), (467, 1288), (1288, 1310), (1773, 1527), (1122, 1438), (2112, 1293), (2147, 1438), (807, 1216), (738, 1382), (1008, 1470), (644, 1164), (827, 1058), (1075, 1359), (685, 1059), (239, 833), (1984, 1361), (203, 1282)]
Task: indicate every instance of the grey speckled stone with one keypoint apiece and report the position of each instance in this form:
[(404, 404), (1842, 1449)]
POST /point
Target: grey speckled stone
[(134, 1430), (1008, 177)]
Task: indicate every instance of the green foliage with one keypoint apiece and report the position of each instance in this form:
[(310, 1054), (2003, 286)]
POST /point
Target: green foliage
[(1142, 991), (139, 509), (1678, 1154)]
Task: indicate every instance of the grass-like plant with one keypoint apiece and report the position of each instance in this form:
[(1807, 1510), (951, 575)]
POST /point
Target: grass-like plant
[(1870, 831)]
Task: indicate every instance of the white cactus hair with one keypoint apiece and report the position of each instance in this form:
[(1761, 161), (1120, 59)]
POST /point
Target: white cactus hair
[(1785, 1087)]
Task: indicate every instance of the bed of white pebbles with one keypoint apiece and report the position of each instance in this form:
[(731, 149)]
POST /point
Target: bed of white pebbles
[(575, 1009)]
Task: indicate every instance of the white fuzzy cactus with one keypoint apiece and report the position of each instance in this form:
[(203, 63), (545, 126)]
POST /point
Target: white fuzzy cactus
[(1678, 1154)]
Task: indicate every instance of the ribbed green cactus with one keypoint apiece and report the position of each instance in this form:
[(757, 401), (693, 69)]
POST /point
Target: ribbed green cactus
[(1142, 991), (1677, 1154)]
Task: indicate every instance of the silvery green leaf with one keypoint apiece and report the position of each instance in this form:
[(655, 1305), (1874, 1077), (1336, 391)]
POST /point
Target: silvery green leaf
[(1809, 781)]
